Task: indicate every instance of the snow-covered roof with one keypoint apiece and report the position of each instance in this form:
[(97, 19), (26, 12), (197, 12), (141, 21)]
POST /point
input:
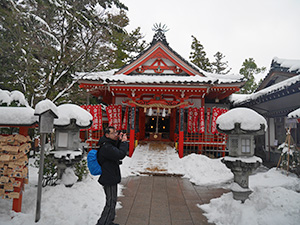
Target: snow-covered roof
[(143, 69), (109, 77), (7, 97), (248, 118), (25, 116), (280, 69), (294, 114), (291, 64), (67, 112), (17, 116), (238, 99)]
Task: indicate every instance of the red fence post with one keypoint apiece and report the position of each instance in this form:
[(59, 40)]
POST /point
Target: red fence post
[(181, 133), (132, 132)]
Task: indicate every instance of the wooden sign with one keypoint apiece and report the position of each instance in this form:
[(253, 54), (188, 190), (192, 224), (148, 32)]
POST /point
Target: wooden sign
[(20, 138), (25, 148)]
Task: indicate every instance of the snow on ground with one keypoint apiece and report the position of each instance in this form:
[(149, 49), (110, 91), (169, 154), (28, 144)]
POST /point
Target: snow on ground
[(274, 206), (80, 204), (160, 158), (275, 199)]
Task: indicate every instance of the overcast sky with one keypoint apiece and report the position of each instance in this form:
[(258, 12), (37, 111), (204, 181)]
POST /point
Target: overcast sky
[(240, 29)]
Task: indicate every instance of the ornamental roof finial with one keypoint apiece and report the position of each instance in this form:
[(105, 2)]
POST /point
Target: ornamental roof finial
[(159, 35)]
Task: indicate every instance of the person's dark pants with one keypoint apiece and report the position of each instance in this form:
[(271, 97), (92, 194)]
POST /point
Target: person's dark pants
[(109, 211)]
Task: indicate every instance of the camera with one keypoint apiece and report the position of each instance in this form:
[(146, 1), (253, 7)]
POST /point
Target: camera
[(119, 132)]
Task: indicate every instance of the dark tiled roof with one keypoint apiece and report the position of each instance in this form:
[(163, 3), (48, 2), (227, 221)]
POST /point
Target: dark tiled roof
[(276, 67)]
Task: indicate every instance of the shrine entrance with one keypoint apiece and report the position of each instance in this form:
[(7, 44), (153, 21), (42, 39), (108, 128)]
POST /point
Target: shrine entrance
[(157, 128)]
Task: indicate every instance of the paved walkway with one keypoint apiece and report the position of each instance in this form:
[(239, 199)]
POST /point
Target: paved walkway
[(163, 200)]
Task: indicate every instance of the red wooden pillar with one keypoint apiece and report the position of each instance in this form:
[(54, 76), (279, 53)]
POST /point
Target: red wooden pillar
[(202, 136), (142, 118), (132, 131), (181, 132), (172, 124), (23, 131)]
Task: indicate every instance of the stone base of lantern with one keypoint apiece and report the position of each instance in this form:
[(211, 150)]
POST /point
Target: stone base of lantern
[(239, 193), (65, 159), (241, 169)]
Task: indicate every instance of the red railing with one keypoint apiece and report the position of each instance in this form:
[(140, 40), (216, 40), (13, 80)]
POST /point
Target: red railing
[(213, 145)]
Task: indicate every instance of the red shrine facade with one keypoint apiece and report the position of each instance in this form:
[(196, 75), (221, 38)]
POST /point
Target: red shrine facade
[(162, 97)]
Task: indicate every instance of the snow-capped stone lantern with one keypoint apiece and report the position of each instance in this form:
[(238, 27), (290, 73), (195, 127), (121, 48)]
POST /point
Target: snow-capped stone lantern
[(241, 124), (67, 148)]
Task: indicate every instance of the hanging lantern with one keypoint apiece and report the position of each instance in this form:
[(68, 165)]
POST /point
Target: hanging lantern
[(164, 113), (150, 112), (145, 110), (169, 111), (157, 110)]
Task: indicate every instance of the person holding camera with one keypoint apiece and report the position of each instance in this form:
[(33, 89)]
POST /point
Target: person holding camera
[(113, 148)]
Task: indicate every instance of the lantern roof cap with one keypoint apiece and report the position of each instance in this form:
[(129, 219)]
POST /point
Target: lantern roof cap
[(45, 106), (241, 121), (73, 114)]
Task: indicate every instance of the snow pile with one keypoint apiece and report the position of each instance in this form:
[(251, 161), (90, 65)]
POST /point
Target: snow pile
[(200, 169), (274, 201), (66, 112), (69, 177), (7, 97), (147, 159), (275, 178), (248, 118), (264, 206)]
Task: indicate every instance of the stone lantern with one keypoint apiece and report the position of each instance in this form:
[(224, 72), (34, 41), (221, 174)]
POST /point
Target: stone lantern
[(241, 124), (67, 148)]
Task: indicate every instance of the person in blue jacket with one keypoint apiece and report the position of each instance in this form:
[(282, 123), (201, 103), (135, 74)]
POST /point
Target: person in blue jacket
[(113, 148)]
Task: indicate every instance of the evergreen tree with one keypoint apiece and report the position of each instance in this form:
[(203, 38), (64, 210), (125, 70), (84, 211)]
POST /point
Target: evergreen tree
[(248, 70), (218, 66), (43, 43), (198, 55)]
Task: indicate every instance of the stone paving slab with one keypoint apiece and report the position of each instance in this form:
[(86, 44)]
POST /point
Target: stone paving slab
[(163, 200)]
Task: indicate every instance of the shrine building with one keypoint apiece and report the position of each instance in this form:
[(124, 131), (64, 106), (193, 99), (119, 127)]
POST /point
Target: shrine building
[(159, 96)]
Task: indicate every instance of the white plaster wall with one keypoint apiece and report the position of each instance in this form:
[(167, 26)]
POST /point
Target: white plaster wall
[(271, 132), (197, 102), (119, 100)]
